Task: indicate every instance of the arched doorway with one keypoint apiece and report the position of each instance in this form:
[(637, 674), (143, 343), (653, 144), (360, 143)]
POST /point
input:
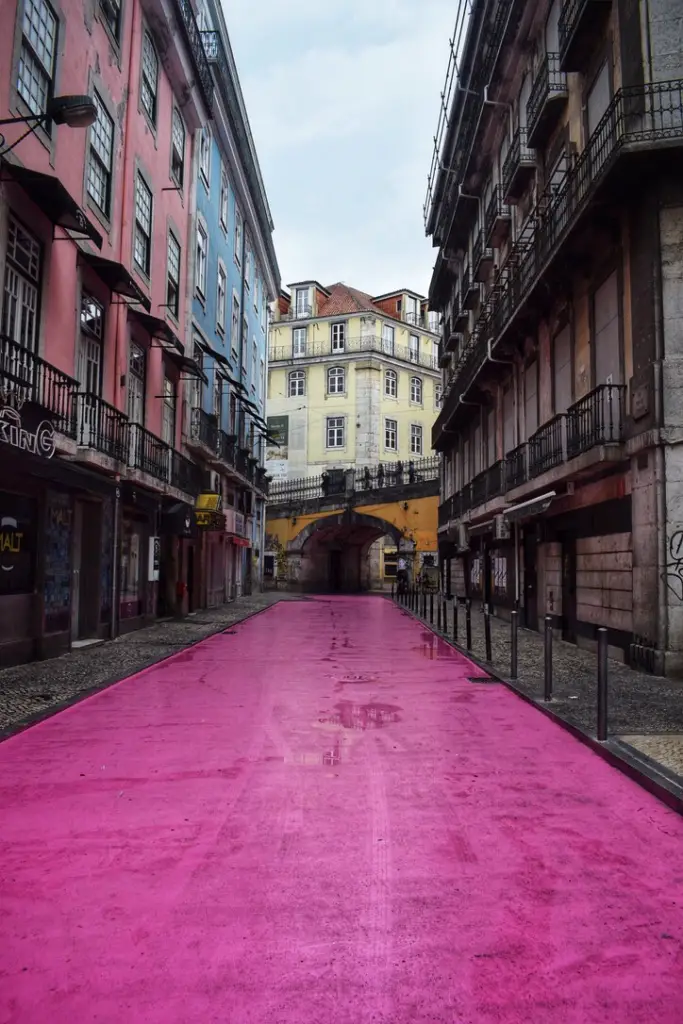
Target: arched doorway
[(332, 551)]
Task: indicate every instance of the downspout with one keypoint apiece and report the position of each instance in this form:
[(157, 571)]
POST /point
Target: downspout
[(660, 467)]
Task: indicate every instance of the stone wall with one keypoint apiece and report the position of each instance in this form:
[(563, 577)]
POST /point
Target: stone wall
[(549, 579), (604, 581)]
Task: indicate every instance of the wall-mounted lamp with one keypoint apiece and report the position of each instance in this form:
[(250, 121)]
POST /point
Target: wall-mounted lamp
[(405, 506), (293, 520), (73, 111)]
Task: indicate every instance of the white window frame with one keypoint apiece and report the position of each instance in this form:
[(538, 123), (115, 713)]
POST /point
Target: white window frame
[(235, 315), (101, 156), (247, 264), (224, 203), (239, 228), (254, 364), (143, 230), (173, 247), (302, 308), (388, 339), (296, 384), (416, 390), (22, 286), (178, 145), (205, 156), (168, 411), (221, 296), (414, 348), (390, 431), (438, 395), (336, 374), (149, 48), (201, 259), (416, 439), (298, 350), (335, 432), (338, 337), (390, 377)]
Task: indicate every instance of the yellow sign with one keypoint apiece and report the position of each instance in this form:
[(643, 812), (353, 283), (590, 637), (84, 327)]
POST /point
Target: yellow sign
[(11, 542), (208, 503)]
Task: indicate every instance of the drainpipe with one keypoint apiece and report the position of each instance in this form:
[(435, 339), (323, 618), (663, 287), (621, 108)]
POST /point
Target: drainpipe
[(115, 563), (660, 468)]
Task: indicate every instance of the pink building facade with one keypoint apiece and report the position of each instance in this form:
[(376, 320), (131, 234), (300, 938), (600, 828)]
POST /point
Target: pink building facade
[(96, 487)]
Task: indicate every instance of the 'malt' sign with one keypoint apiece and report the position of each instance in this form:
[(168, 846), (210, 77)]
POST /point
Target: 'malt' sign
[(40, 441)]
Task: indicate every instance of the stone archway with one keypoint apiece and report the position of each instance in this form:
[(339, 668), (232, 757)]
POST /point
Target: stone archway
[(328, 554)]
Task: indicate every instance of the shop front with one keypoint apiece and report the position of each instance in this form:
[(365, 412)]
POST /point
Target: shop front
[(139, 558), (211, 525)]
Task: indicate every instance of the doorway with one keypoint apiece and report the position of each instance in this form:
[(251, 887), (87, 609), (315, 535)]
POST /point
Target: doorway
[(335, 571), (569, 589), (190, 578), (530, 580), (85, 576)]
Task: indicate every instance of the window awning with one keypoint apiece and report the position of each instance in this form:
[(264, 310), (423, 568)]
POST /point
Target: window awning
[(116, 277), (159, 329), (205, 346), (187, 366), (527, 509), (58, 205)]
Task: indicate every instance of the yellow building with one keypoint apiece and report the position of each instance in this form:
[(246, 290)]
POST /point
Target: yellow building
[(353, 383)]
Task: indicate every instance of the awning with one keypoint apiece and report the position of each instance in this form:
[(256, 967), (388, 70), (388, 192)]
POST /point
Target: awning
[(116, 277), (49, 195), (241, 542), (527, 509), (187, 365), (159, 329), (211, 351)]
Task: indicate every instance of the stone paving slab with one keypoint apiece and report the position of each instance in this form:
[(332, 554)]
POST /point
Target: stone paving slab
[(37, 689), (665, 750)]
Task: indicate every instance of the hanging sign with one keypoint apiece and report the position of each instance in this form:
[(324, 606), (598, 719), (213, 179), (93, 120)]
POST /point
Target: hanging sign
[(40, 441)]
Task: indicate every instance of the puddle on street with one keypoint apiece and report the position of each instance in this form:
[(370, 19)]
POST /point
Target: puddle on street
[(362, 716)]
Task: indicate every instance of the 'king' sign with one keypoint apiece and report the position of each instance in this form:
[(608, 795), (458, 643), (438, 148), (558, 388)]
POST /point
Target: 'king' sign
[(40, 441)]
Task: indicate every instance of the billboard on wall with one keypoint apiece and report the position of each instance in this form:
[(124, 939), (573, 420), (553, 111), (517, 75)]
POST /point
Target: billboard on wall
[(278, 430)]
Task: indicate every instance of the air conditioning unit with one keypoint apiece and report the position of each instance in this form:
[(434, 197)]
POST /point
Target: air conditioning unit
[(501, 528), (463, 538), (214, 482)]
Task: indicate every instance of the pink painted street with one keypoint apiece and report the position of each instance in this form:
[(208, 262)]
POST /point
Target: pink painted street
[(317, 816)]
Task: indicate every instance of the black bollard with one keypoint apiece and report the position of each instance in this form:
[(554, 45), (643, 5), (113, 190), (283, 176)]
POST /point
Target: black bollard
[(392, 592), (431, 609), (487, 632), (468, 623), (455, 619), (548, 659), (438, 616), (602, 684), (444, 616), (514, 624)]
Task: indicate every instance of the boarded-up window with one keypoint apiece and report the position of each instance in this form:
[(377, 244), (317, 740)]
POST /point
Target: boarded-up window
[(562, 370), (606, 339), (598, 99), (508, 420), (531, 398)]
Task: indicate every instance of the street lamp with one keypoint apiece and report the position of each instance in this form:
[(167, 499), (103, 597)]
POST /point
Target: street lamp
[(73, 111)]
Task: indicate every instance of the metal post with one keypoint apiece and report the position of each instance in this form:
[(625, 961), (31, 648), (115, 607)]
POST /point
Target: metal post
[(487, 632), (438, 615), (455, 619), (392, 592), (444, 616), (514, 626), (468, 623), (431, 609), (602, 684), (548, 660)]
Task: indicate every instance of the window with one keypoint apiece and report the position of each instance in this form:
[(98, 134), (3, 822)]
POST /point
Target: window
[(264, 310), (254, 364), (225, 197), (177, 148), (136, 384), (414, 348), (338, 336), (247, 267), (415, 439), (201, 259), (416, 390), (173, 275), (111, 12), (100, 158), (235, 325), (336, 380), (90, 351), (438, 392), (335, 432), (221, 297), (22, 284), (391, 435), (205, 155), (257, 288), (390, 563), (245, 345), (297, 383), (388, 339), (142, 246), (150, 75), (299, 342), (238, 235), (391, 384), (35, 81), (217, 398), (168, 413)]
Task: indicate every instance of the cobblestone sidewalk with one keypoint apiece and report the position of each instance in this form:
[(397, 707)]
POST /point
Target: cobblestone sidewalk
[(37, 689), (644, 711)]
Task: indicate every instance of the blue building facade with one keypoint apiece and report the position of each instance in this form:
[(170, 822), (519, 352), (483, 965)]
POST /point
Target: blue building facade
[(233, 276)]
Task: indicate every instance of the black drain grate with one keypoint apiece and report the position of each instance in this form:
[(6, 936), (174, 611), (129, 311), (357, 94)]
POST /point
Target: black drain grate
[(481, 679)]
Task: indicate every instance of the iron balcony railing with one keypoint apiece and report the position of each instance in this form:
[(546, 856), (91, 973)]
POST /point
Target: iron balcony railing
[(185, 474), (148, 453), (371, 343), (25, 377), (488, 484), (204, 429), (519, 161), (482, 258), (572, 15), (516, 471), (101, 427), (548, 446), (241, 463), (301, 313), (498, 217), (369, 478), (446, 512), (262, 480), (597, 418), (645, 114), (550, 85), (197, 49), (226, 448)]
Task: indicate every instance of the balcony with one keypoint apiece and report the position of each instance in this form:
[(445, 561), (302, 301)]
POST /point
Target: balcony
[(204, 430), (444, 357), (197, 48), (226, 448), (352, 346), (519, 167), (488, 484), (596, 419), (149, 453), (547, 447), (581, 24), (185, 474), (300, 313), (516, 467), (453, 340), (102, 428), (262, 480), (498, 219), (548, 96), (446, 512), (461, 315), (26, 378), (469, 289), (482, 259)]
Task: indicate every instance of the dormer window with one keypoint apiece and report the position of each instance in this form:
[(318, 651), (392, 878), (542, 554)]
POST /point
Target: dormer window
[(338, 336), (302, 305)]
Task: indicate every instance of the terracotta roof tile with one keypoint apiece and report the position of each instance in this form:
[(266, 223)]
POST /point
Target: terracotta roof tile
[(344, 300)]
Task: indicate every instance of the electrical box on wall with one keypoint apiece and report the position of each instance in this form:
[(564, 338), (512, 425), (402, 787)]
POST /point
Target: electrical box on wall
[(501, 528), (154, 557)]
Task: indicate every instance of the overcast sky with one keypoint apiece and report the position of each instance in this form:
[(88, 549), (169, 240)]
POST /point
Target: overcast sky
[(343, 100)]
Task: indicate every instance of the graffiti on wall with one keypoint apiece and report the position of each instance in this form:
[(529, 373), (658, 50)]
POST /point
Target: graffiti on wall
[(674, 567)]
